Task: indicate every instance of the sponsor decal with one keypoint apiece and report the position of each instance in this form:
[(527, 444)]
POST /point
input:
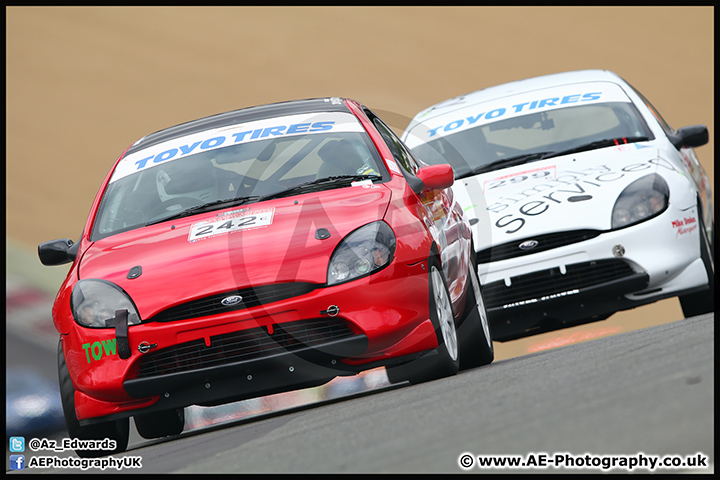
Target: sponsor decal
[(524, 107), (234, 135), (366, 170), (393, 166), (248, 220), (367, 183), (684, 226), (536, 101), (100, 349), (569, 186)]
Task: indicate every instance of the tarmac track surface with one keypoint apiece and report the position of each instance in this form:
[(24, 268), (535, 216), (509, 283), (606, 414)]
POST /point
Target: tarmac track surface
[(648, 391)]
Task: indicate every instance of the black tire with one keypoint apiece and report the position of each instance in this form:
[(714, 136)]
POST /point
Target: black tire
[(118, 430), (161, 424), (475, 338), (702, 302), (445, 361)]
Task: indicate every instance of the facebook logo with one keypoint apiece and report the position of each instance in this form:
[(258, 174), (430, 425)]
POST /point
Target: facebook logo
[(17, 462), (17, 444)]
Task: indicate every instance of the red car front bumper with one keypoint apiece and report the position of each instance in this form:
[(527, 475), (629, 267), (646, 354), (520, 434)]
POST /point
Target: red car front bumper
[(294, 343)]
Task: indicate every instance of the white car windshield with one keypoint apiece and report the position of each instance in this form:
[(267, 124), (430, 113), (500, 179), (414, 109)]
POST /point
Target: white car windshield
[(232, 175), (534, 136)]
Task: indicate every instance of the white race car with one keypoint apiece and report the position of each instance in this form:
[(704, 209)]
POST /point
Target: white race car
[(583, 200)]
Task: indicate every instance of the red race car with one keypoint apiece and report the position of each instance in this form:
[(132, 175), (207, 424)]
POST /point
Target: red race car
[(258, 251)]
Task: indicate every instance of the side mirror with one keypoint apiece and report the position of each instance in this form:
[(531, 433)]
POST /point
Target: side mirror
[(436, 176), (692, 136), (57, 252)]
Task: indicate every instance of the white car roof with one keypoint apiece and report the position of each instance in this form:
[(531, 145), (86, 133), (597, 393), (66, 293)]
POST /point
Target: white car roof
[(518, 87)]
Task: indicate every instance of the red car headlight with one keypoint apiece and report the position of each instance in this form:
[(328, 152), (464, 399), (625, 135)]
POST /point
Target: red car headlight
[(94, 303), (362, 252)]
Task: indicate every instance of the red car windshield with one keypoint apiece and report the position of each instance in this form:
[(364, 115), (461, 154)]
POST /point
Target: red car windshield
[(160, 189)]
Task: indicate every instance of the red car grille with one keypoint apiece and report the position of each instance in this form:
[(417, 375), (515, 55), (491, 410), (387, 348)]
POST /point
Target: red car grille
[(251, 297), (248, 344), (552, 281)]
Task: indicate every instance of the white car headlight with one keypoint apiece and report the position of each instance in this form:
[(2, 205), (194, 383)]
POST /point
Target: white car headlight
[(361, 253), (643, 199), (94, 303)]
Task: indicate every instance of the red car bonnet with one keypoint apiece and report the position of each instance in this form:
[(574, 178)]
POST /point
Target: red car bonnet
[(174, 269)]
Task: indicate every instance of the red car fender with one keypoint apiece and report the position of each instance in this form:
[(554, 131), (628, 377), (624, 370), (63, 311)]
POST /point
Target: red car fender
[(458, 276), (61, 312)]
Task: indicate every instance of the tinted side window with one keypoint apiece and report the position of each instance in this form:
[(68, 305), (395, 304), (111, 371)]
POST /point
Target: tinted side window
[(396, 147), (660, 119)]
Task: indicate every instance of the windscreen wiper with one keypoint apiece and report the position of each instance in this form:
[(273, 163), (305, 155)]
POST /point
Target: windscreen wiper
[(320, 184), (505, 162), (206, 207), (335, 181), (607, 142)]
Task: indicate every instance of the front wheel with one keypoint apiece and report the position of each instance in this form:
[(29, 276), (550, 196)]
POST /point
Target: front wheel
[(476, 346), (704, 301), (117, 430), (445, 361), (161, 424)]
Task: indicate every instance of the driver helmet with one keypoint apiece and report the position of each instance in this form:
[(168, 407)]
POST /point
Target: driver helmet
[(193, 177)]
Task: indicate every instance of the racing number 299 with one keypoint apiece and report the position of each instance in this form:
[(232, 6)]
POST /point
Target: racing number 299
[(518, 178)]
